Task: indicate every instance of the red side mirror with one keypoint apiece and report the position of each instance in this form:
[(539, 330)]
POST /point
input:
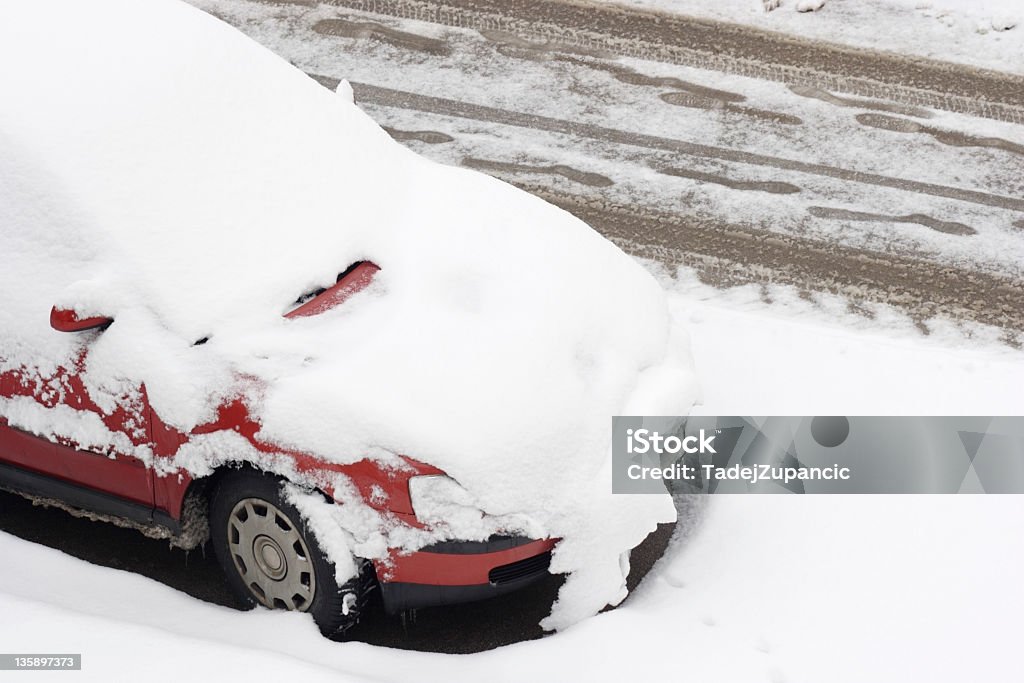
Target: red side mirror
[(67, 320), (354, 280)]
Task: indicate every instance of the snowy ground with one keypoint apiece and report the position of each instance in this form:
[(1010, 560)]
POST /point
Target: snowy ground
[(770, 589), (984, 33), (810, 357), (881, 588), (767, 588)]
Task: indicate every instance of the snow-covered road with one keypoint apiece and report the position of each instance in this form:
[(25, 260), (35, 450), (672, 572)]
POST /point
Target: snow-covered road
[(916, 204), (982, 33)]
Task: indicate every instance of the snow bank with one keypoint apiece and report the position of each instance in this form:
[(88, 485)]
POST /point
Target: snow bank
[(809, 5), (769, 588), (190, 184), (110, 648), (998, 15), (810, 355)]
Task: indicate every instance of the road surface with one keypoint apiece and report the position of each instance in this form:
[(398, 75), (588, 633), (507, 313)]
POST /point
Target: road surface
[(749, 156)]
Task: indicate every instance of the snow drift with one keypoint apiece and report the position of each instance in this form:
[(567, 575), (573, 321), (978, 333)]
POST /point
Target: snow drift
[(159, 168)]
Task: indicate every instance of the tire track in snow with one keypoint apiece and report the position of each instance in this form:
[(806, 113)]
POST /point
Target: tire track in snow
[(435, 105), (772, 186), (568, 172), (946, 137), (431, 137), (727, 48), (632, 77), (688, 99), (511, 45), (947, 227), (859, 102), (346, 28)]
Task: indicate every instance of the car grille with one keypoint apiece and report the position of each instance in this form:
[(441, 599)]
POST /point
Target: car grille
[(523, 569), (491, 545)]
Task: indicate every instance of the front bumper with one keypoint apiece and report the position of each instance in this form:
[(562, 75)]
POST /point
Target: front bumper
[(452, 572)]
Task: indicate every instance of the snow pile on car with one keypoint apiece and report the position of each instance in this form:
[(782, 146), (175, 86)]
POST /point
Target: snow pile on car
[(160, 168)]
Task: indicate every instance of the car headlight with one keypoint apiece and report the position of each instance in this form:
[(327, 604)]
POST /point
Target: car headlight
[(435, 497), (443, 504)]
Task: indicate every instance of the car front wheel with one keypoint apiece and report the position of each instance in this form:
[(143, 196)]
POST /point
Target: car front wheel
[(270, 557)]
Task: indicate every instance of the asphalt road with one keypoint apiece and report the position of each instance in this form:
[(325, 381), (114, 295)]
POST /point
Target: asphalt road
[(457, 629)]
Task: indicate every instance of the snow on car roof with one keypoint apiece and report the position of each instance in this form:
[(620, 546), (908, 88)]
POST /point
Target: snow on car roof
[(218, 180), (158, 167)]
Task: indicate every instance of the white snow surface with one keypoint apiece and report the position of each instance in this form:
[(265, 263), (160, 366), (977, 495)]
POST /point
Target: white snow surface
[(755, 588), (808, 355), (770, 588), (190, 184), (983, 33)]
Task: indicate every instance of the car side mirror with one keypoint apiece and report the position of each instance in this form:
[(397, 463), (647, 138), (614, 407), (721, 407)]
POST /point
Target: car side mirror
[(68, 320)]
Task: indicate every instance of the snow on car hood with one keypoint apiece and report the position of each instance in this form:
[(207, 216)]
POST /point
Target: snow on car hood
[(191, 184)]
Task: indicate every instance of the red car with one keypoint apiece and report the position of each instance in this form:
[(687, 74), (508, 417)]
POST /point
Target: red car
[(233, 308), (261, 540), (267, 553)]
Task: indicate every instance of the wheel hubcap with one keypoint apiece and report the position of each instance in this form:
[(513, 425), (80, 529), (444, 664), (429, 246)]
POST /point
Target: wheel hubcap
[(271, 556)]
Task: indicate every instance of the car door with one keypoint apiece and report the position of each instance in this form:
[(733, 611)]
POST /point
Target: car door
[(17, 445), (82, 445)]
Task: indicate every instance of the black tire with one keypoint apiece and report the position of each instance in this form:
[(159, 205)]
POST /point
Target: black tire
[(328, 600)]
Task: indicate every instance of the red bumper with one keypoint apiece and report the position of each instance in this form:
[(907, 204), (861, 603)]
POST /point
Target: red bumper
[(462, 571)]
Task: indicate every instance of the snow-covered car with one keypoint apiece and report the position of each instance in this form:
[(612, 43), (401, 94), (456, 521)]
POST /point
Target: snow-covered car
[(235, 309)]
